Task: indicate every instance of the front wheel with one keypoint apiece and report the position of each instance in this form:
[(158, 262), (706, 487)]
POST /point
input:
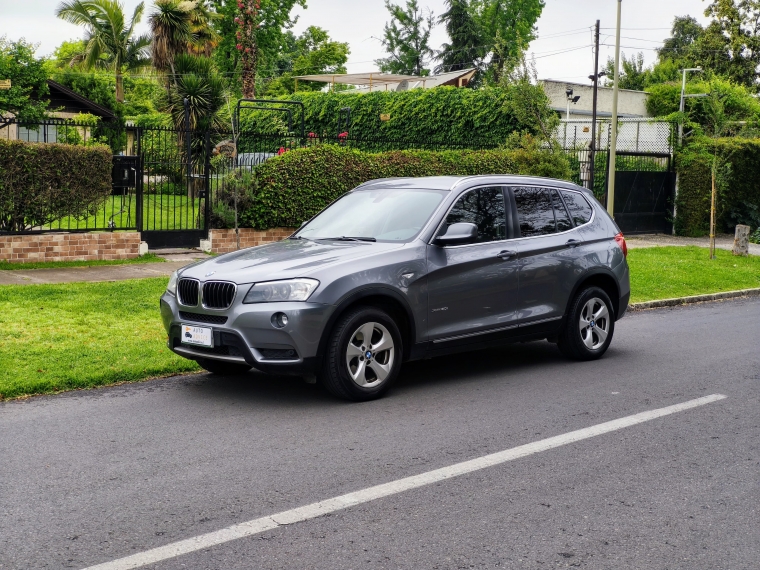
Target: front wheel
[(223, 368), (590, 324), (363, 355)]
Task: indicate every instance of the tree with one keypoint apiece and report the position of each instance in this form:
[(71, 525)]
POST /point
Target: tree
[(313, 52), (205, 37), (735, 28), (508, 27), (109, 40), (25, 99), (466, 47), (684, 33), (406, 39), (273, 19), (171, 29), (633, 75)]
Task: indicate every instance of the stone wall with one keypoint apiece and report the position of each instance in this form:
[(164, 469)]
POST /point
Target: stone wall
[(224, 241), (69, 247)]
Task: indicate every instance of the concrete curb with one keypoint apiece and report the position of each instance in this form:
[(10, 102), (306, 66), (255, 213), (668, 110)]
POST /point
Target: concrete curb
[(694, 299)]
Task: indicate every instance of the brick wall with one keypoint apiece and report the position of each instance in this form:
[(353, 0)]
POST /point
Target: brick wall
[(69, 247), (224, 241)]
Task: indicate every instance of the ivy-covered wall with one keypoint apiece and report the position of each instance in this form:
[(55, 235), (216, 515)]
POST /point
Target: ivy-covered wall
[(738, 185), (444, 114), (287, 190)]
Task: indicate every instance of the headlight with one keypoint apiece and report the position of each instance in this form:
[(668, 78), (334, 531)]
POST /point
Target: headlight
[(172, 286), (287, 290)]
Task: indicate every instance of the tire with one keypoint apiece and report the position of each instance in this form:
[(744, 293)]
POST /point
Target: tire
[(222, 368), (347, 373), (589, 327)]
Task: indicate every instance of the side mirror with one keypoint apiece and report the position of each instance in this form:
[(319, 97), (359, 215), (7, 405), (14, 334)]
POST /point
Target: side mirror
[(458, 234)]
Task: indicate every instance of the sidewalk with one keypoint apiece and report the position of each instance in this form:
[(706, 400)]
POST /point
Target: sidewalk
[(175, 258), (723, 241)]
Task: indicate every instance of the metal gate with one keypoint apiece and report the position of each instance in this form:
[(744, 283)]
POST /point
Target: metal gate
[(644, 192)]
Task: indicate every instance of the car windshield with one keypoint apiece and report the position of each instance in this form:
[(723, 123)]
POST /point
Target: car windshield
[(382, 215)]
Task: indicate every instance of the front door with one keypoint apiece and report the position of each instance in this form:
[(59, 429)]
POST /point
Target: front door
[(472, 288)]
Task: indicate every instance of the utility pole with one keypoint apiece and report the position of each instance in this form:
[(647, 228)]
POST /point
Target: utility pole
[(613, 134), (595, 79)]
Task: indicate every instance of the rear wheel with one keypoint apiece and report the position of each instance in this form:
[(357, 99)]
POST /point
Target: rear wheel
[(223, 368), (363, 355), (590, 324)]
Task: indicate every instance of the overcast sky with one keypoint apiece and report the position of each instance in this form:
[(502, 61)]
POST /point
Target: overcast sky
[(565, 26)]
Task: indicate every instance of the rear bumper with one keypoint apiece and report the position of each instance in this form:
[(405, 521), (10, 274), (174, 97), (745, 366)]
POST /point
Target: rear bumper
[(245, 334), (623, 305)]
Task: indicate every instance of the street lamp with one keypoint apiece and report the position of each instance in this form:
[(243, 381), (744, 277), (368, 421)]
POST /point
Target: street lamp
[(682, 106), (570, 99)]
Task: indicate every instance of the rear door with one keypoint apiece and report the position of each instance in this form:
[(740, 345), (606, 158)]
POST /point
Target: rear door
[(472, 289), (548, 262)]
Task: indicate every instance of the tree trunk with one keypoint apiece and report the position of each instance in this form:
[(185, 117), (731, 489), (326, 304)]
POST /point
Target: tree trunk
[(249, 64), (119, 87)]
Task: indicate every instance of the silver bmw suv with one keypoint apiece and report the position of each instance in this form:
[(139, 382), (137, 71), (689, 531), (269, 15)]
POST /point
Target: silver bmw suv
[(403, 269)]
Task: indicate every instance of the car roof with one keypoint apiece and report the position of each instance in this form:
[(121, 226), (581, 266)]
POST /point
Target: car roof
[(448, 183)]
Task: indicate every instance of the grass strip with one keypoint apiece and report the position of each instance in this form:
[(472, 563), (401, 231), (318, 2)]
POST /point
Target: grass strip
[(80, 335), (681, 271), (147, 258)]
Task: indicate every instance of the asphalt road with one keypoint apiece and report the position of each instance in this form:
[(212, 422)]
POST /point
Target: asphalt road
[(89, 477)]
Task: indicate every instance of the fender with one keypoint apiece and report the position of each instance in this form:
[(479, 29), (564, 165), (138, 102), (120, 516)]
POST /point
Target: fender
[(591, 273), (364, 292)]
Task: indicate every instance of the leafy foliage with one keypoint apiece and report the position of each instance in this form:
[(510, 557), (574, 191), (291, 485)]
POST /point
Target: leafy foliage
[(40, 183), (738, 184), (466, 47), (26, 97), (295, 186), (406, 38), (445, 114)]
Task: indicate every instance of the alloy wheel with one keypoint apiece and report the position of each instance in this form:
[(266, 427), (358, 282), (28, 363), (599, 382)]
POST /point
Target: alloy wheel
[(594, 323), (369, 355)]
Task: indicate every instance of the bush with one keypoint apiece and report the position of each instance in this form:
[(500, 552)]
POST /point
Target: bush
[(40, 183), (738, 185), (295, 186), (442, 115)]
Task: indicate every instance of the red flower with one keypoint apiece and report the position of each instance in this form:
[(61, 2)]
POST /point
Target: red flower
[(343, 135), (281, 151), (239, 47), (312, 135)]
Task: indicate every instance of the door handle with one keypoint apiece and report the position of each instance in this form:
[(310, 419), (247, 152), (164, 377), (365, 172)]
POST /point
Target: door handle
[(572, 243), (507, 254)]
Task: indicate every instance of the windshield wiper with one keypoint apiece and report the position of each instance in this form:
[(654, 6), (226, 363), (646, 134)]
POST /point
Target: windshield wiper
[(300, 237), (348, 238)]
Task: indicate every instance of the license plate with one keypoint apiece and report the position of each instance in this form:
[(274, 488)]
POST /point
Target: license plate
[(200, 336)]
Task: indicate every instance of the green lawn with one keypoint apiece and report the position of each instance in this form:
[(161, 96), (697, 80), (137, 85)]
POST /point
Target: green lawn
[(160, 212), (80, 335), (669, 272), (63, 337), (147, 258)]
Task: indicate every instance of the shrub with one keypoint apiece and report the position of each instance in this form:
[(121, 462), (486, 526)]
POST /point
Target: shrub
[(40, 183), (738, 185), (295, 186)]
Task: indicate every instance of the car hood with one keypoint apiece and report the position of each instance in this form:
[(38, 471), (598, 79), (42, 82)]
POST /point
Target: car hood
[(282, 260)]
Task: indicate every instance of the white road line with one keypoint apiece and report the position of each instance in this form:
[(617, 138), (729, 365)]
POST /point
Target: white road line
[(314, 510)]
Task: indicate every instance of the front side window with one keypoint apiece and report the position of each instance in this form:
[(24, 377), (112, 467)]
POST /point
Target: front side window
[(483, 207), (563, 218), (385, 215), (535, 213), (579, 208)]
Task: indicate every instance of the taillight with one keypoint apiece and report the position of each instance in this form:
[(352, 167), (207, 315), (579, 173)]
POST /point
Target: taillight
[(620, 240)]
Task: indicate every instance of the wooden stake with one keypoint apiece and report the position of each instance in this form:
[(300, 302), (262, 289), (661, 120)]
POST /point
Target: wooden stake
[(712, 211)]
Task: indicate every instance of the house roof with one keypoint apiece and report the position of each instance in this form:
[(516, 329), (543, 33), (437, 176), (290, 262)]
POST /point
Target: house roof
[(379, 80), (370, 78), (63, 98)]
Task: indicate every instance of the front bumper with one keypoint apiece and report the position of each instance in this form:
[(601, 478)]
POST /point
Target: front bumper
[(245, 334)]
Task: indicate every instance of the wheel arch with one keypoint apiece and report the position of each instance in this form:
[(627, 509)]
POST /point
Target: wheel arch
[(381, 297), (603, 279)]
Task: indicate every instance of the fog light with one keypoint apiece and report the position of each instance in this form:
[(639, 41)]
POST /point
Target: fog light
[(279, 320)]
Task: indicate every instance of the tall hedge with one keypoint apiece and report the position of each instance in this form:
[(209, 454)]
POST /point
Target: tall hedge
[(40, 183), (295, 186), (444, 114), (738, 185)]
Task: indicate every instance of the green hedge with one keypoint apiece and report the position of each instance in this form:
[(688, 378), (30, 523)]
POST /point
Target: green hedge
[(441, 115), (295, 186), (40, 183), (738, 184)]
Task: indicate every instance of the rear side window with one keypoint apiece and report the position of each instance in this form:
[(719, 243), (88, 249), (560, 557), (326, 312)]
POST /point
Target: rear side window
[(579, 208), (483, 207), (563, 219), (534, 212)]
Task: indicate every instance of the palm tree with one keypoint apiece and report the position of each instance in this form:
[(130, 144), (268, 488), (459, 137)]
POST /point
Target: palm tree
[(205, 37), (109, 41), (171, 26)]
